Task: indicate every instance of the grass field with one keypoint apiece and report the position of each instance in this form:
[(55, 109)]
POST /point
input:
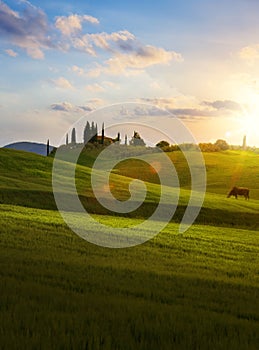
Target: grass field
[(199, 290)]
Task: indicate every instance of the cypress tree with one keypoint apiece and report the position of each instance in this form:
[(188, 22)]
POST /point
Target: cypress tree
[(96, 133), (92, 132), (67, 139), (102, 140), (73, 136), (87, 133), (47, 148), (93, 128)]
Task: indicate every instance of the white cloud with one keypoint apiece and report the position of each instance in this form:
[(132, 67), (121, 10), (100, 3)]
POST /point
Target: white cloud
[(78, 70), (95, 103), (28, 31), (249, 53), (82, 44), (95, 88), (68, 107), (177, 101), (31, 31), (8, 10), (63, 106), (223, 104), (110, 84), (73, 24), (62, 83), (127, 55), (105, 40), (187, 107), (135, 62), (35, 52), (11, 53)]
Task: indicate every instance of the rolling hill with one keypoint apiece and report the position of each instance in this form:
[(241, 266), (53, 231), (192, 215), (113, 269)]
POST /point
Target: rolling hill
[(26, 179), (198, 290)]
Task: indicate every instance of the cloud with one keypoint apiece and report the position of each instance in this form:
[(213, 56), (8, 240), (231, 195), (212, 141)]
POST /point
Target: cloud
[(179, 101), (63, 106), (78, 70), (68, 107), (73, 24), (124, 54), (187, 107), (62, 83), (81, 44), (143, 57), (151, 111), (111, 84), (105, 40), (11, 53), (128, 55), (112, 42), (249, 53), (95, 103), (85, 108), (223, 104), (95, 88), (142, 110), (28, 30), (192, 112)]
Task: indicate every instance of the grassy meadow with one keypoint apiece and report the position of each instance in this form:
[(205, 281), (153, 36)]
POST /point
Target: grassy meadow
[(199, 290)]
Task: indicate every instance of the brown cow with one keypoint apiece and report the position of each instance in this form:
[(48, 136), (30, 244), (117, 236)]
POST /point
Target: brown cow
[(239, 191)]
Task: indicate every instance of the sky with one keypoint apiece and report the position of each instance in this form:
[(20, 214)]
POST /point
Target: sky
[(198, 60)]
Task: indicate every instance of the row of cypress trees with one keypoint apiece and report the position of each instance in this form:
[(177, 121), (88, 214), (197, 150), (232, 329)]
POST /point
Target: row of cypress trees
[(90, 134)]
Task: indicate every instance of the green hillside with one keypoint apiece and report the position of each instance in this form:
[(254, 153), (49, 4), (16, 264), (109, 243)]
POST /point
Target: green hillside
[(224, 170), (26, 179), (198, 290)]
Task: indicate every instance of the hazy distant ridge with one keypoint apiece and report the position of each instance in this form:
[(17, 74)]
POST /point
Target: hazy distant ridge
[(38, 148)]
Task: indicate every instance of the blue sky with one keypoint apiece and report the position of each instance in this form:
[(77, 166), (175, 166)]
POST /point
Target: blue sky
[(197, 59)]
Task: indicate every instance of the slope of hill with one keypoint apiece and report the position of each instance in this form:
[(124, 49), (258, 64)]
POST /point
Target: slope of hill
[(26, 179), (193, 291), (38, 148), (224, 170), (197, 290)]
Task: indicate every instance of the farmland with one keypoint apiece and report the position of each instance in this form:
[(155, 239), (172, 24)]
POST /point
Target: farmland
[(196, 290)]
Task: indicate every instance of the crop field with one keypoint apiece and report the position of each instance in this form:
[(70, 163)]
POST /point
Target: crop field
[(197, 290)]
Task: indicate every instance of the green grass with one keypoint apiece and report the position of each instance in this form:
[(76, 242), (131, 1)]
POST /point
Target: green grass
[(198, 290), (26, 180), (224, 170)]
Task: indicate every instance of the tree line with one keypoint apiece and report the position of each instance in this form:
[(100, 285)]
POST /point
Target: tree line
[(219, 145), (90, 136)]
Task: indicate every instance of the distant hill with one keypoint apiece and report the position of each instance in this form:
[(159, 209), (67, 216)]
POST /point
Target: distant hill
[(38, 148)]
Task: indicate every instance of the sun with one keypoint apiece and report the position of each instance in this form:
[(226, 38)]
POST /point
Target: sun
[(250, 115), (251, 122)]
